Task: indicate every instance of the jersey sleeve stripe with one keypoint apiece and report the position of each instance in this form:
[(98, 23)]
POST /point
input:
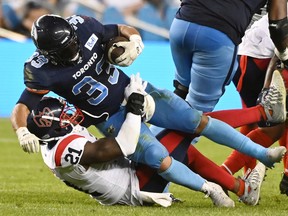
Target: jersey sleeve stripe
[(61, 147), (36, 91)]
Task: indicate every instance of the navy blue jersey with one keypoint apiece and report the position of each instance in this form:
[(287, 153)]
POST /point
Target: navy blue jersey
[(93, 84), (229, 16)]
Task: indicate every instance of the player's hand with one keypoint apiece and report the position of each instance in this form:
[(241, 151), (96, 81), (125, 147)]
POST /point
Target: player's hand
[(138, 86), (28, 141), (133, 48)]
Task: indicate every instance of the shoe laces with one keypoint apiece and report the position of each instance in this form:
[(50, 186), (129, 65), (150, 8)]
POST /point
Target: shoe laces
[(252, 177), (271, 97)]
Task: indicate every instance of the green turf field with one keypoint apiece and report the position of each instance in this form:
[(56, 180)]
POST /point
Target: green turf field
[(27, 187)]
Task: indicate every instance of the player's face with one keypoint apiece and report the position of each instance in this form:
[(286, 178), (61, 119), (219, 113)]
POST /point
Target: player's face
[(69, 53)]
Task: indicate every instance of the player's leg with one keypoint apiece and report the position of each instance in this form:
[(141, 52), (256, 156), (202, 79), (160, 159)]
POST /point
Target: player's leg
[(244, 116), (174, 113), (249, 80), (178, 145), (237, 160), (172, 170), (210, 58), (152, 153)]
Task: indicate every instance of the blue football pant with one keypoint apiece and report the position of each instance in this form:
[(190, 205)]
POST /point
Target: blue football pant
[(205, 61), (174, 113)]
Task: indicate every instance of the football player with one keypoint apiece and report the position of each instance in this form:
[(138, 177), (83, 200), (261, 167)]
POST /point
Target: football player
[(204, 39), (100, 167), (256, 56), (70, 61)]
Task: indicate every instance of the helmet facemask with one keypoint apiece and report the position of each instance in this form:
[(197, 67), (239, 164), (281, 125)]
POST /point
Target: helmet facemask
[(53, 119), (70, 54)]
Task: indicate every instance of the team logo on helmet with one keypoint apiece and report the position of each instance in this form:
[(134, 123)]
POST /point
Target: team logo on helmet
[(44, 122)]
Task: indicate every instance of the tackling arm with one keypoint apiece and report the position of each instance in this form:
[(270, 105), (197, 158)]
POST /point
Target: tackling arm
[(278, 27), (29, 142), (19, 115), (269, 72), (125, 143)]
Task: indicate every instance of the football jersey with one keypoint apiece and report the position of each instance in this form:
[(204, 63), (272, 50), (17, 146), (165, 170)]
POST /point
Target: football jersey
[(93, 85), (109, 183), (257, 42)]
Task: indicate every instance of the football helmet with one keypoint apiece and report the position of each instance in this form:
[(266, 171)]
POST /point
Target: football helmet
[(52, 119), (56, 39)]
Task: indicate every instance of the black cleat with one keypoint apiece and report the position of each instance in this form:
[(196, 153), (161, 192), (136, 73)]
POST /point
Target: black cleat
[(284, 185)]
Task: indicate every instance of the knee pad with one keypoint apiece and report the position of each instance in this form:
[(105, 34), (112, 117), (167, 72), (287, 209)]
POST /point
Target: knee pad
[(180, 90), (154, 155)]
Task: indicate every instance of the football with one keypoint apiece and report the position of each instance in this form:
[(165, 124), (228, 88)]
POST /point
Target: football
[(112, 51)]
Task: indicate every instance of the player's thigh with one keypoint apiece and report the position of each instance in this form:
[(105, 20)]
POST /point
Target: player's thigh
[(181, 49), (249, 79), (214, 65), (172, 112)]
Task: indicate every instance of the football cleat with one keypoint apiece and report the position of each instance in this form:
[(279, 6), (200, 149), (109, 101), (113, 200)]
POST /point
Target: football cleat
[(253, 181), (274, 155), (217, 195), (273, 99), (175, 199), (284, 185)]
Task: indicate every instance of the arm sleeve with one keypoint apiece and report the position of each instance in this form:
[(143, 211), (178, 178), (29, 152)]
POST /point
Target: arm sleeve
[(129, 133), (30, 99)]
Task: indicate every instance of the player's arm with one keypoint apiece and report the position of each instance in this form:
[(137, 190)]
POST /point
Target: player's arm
[(269, 72), (278, 27), (125, 143), (29, 142), (106, 149), (133, 47)]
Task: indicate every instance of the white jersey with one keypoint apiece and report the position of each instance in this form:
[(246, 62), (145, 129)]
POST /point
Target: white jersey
[(109, 183), (257, 42)]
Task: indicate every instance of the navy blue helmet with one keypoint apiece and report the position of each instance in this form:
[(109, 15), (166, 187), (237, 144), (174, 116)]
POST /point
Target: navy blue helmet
[(52, 119), (55, 38)]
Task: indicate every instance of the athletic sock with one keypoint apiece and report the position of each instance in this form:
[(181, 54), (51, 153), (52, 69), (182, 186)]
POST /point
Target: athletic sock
[(248, 128), (223, 134), (237, 160), (239, 187), (180, 174), (244, 116), (208, 169)]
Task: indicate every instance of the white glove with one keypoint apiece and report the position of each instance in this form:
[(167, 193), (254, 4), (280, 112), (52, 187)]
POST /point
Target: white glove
[(163, 199), (28, 141), (138, 86), (133, 49)]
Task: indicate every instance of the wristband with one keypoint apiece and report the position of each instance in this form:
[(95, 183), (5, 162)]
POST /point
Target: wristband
[(283, 56)]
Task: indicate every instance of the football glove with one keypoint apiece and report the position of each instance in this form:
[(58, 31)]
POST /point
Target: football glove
[(163, 199), (28, 141), (138, 86), (133, 48)]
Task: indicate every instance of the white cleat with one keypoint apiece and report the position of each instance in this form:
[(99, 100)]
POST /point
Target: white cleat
[(273, 99), (253, 183), (217, 195), (275, 155)]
